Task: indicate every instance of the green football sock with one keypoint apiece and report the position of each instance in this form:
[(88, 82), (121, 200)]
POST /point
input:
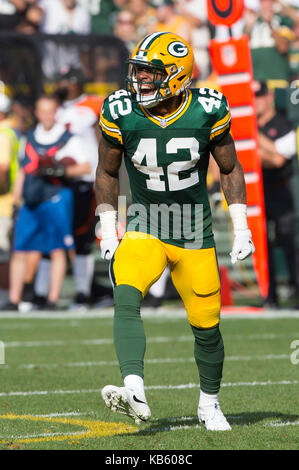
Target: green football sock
[(209, 357), (129, 336)]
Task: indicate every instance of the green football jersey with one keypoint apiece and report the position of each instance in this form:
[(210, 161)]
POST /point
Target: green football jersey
[(167, 160)]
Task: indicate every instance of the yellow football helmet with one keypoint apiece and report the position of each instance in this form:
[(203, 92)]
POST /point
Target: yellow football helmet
[(168, 59)]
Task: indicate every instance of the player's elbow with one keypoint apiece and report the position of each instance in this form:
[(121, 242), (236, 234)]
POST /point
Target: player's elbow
[(229, 167), (103, 174)]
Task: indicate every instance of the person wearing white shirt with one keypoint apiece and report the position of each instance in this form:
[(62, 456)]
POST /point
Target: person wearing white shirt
[(62, 17), (44, 224), (79, 112)]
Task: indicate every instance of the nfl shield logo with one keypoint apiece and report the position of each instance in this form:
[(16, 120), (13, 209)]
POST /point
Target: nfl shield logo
[(163, 123)]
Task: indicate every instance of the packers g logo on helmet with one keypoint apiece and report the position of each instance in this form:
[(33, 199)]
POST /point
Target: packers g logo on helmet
[(177, 49), (169, 58)]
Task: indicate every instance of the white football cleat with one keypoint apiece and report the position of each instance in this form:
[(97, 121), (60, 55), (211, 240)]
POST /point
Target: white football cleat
[(123, 400), (213, 418)]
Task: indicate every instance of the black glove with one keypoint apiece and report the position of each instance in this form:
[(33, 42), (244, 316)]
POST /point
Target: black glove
[(57, 171)]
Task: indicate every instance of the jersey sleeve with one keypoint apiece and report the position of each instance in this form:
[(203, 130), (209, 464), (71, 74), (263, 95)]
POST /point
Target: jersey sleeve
[(109, 126), (221, 121)]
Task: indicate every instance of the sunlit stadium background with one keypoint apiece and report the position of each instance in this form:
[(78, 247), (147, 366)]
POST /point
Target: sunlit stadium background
[(22, 75)]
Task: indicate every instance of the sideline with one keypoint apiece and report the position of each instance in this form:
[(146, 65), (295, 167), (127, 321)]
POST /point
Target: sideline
[(171, 313)]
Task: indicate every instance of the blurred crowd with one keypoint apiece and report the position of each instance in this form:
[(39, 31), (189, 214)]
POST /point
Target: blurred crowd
[(273, 30), (272, 25)]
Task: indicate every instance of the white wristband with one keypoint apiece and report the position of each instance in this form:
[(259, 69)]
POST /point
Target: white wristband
[(238, 213), (108, 224)]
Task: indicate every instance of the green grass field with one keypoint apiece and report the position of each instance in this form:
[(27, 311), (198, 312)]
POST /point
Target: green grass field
[(56, 364)]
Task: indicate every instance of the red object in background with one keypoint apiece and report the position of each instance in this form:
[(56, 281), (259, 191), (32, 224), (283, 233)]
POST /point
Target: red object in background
[(225, 12), (231, 61), (92, 101), (67, 161), (226, 292)]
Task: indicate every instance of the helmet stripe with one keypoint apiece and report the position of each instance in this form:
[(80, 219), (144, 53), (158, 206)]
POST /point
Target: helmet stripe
[(146, 43)]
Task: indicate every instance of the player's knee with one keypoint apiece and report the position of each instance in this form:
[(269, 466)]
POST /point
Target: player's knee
[(204, 312), (127, 300), (209, 337)]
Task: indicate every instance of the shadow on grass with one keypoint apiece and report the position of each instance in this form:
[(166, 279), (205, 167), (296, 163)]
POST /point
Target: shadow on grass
[(271, 419)]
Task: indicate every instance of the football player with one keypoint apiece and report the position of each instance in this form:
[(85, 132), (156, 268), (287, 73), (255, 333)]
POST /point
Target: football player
[(166, 132)]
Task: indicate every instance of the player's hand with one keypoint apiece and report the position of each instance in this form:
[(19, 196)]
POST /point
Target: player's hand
[(108, 247), (242, 246)]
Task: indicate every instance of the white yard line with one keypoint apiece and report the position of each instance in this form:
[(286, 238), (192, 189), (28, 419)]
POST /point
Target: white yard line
[(57, 415), (155, 339), (150, 387), (278, 424), (198, 426), (166, 360), (30, 323), (227, 384), (56, 342), (46, 434), (96, 342)]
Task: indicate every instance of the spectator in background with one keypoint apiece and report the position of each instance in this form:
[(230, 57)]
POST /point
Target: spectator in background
[(12, 128), (277, 141), (44, 222), (118, 5), (125, 29), (289, 8), (29, 18), (168, 20), (144, 17), (22, 114), (269, 34), (294, 55), (101, 13), (105, 59), (63, 17), (8, 170), (244, 24), (195, 11), (80, 113), (10, 11)]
